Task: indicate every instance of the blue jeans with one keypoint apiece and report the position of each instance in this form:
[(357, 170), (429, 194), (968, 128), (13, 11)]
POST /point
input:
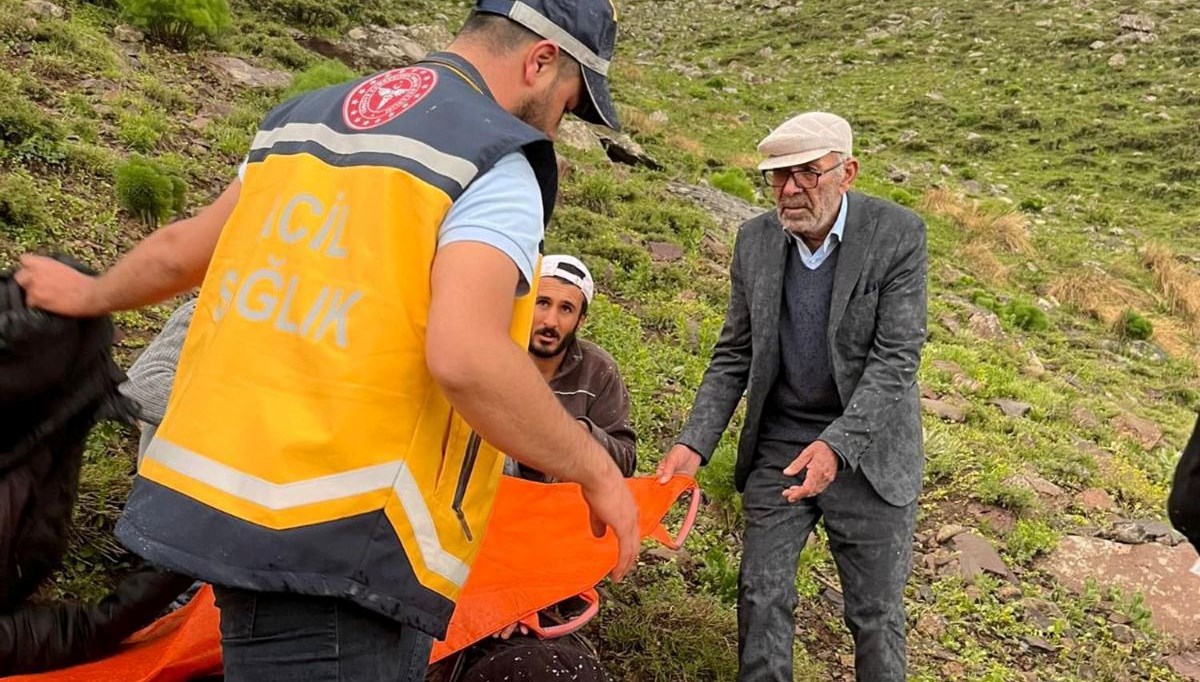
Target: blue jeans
[(271, 637)]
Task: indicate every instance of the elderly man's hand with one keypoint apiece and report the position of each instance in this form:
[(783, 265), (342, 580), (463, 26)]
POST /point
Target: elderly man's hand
[(679, 460), (822, 464)]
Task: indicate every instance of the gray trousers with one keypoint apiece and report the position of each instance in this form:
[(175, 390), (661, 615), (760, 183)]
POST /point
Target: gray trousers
[(871, 542)]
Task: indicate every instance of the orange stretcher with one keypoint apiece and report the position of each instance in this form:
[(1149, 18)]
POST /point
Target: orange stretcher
[(538, 532)]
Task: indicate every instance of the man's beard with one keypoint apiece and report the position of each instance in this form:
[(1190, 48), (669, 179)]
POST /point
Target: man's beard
[(809, 224), (536, 112), (545, 353)]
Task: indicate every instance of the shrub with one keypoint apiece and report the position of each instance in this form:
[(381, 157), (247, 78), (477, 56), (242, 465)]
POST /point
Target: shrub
[(1134, 326), (150, 191), (178, 23), (902, 197), (142, 131), (323, 74), (20, 121), (985, 299), (21, 209), (733, 181), (1029, 538), (719, 575), (1032, 204), (312, 13), (1026, 316)]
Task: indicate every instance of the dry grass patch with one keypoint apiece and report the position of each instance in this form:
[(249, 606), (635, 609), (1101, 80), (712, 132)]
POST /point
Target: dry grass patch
[(636, 121), (1005, 230), (747, 161), (983, 262), (686, 144), (1175, 339), (1176, 282), (1098, 294)]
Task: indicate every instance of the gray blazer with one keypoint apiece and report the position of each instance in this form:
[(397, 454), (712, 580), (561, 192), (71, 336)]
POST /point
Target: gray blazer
[(877, 325)]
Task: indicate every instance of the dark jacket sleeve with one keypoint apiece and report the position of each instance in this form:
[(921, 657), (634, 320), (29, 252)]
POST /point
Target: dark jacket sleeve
[(895, 354), (1184, 502), (608, 420), (729, 369)]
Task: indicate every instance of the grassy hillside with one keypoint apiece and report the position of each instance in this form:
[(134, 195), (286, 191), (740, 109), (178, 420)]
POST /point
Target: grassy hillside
[(1050, 146)]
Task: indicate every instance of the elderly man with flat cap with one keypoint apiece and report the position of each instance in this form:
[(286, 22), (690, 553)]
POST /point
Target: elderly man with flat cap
[(824, 328)]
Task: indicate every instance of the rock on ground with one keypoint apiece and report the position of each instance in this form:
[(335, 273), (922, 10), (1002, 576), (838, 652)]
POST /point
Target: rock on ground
[(1162, 574)]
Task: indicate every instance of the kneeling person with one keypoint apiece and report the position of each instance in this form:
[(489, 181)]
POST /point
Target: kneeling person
[(583, 376)]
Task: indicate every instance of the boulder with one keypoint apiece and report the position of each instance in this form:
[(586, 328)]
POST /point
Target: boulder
[(1012, 408), (1162, 574), (45, 9), (1095, 499), (1142, 431), (977, 556), (578, 135), (621, 148), (1084, 417), (1186, 664), (239, 72), (665, 252), (986, 325), (728, 211), (381, 47), (128, 34), (944, 410)]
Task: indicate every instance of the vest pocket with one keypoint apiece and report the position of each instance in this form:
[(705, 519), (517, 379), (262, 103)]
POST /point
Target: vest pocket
[(464, 479)]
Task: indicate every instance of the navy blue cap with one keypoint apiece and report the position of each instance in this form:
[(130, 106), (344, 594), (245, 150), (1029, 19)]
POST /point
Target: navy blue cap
[(584, 29)]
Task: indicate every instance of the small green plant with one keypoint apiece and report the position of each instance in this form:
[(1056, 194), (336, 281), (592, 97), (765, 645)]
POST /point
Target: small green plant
[(1030, 538), (902, 197), (1025, 316), (1033, 204), (143, 130), (733, 181), (149, 190), (22, 211), (985, 299), (1018, 313), (178, 23), (1133, 325), (323, 74), (22, 123), (316, 13), (720, 575)]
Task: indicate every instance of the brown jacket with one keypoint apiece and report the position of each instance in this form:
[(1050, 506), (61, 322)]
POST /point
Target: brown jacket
[(589, 386)]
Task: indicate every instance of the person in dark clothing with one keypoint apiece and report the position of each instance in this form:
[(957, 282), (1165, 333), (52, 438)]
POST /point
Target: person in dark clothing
[(57, 379), (582, 375), (823, 335), (1184, 503)]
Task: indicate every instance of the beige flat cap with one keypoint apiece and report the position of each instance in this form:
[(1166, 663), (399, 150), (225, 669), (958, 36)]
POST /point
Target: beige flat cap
[(805, 138)]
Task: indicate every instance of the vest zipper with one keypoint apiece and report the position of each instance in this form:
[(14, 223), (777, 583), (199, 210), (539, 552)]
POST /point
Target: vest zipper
[(464, 477)]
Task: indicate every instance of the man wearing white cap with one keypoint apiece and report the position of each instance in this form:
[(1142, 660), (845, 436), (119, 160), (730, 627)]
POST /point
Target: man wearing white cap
[(583, 376), (825, 324)]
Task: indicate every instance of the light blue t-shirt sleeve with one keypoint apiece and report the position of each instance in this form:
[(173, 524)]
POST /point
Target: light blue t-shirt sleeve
[(503, 209)]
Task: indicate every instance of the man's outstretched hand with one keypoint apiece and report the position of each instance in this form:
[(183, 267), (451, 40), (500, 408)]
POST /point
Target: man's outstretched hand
[(56, 287)]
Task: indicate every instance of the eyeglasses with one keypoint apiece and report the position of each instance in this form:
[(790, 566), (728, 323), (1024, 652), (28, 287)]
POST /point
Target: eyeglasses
[(804, 177)]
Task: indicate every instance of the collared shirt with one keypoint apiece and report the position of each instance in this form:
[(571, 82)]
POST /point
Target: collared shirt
[(813, 259)]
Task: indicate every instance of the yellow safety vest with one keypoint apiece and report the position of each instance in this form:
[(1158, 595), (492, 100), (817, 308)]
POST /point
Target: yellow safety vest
[(306, 447)]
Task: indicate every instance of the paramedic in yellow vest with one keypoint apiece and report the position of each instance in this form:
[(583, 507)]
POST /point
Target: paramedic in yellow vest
[(356, 362)]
